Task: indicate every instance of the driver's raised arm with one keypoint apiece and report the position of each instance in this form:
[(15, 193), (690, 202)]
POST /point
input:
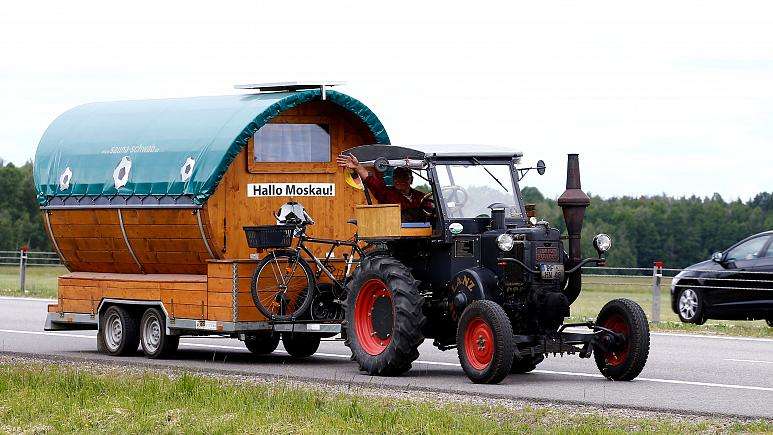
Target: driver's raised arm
[(351, 162)]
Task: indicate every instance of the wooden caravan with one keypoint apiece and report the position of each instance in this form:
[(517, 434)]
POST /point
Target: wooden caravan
[(147, 200)]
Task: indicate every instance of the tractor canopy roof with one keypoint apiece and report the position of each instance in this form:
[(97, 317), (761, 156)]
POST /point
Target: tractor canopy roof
[(427, 152), (159, 152)]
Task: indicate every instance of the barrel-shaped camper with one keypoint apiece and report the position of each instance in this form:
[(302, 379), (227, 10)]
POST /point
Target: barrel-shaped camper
[(146, 204)]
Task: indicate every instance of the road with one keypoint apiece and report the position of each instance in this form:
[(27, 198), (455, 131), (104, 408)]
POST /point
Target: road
[(684, 374)]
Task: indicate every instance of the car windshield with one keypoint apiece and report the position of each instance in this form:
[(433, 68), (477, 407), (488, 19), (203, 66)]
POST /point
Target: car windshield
[(467, 191)]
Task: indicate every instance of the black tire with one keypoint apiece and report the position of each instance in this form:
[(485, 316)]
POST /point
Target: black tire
[(486, 323), (262, 343), (525, 364), (266, 268), (124, 342), (689, 306), (624, 364), (153, 337), (300, 344), (399, 335)]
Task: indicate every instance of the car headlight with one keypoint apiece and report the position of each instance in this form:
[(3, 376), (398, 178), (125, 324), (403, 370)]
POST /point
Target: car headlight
[(602, 242), (505, 242)]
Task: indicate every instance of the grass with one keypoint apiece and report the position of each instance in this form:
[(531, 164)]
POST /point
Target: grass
[(597, 290), (40, 281), (48, 398)]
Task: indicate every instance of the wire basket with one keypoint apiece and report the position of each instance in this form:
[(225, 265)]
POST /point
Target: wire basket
[(269, 236)]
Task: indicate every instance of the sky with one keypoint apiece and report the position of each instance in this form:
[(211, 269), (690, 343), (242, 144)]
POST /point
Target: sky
[(656, 97)]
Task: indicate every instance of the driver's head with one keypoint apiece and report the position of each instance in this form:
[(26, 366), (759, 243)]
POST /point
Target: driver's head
[(402, 177)]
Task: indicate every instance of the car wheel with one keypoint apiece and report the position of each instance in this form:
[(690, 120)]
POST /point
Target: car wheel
[(300, 345), (156, 343), (690, 307), (118, 332), (262, 343)]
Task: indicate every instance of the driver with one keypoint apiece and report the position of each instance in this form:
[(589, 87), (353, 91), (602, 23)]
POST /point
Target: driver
[(414, 205)]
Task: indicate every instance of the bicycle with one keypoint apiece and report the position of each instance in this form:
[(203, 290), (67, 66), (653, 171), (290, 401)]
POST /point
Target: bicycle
[(284, 286)]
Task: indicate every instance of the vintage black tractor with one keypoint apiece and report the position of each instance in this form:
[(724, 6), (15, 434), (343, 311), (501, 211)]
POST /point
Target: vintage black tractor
[(490, 281)]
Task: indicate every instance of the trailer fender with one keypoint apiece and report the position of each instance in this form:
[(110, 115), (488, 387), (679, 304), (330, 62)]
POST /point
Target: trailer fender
[(475, 283)]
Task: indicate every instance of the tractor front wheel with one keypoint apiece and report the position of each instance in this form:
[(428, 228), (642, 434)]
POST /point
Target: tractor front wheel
[(623, 360), (384, 316), (484, 341)]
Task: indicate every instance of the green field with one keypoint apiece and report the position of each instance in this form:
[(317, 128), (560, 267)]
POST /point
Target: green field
[(38, 398), (597, 290), (40, 281)]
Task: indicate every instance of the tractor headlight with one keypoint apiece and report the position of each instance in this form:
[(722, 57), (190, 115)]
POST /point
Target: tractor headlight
[(602, 243), (505, 242)]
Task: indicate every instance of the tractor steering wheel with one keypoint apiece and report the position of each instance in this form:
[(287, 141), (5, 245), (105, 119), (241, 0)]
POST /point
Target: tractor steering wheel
[(429, 212), (459, 196)]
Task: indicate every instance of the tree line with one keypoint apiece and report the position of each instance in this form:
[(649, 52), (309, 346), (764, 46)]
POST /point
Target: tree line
[(678, 231)]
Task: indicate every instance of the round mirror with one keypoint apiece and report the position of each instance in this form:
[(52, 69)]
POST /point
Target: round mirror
[(381, 164), (540, 167)]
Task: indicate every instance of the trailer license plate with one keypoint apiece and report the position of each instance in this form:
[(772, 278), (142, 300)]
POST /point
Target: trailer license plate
[(551, 271)]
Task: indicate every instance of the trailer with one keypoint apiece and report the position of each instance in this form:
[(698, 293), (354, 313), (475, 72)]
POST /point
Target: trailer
[(146, 203)]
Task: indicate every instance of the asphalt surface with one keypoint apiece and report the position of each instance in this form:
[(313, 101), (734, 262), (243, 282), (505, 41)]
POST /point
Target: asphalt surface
[(684, 373)]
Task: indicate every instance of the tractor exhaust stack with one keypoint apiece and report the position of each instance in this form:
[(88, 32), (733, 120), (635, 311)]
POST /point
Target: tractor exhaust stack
[(573, 203)]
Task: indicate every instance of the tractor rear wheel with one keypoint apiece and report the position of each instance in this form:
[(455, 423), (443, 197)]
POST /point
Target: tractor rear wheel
[(624, 361), (484, 341), (384, 316), (262, 343)]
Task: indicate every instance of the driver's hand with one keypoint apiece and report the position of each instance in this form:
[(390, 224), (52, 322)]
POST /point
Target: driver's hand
[(349, 161)]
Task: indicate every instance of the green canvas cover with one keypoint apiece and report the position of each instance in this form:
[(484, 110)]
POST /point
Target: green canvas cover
[(159, 137)]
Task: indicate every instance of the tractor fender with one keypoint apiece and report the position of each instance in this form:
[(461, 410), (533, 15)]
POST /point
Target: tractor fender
[(473, 284)]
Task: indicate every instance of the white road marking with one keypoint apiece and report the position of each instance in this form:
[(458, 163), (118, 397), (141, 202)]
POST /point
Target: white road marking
[(56, 334), (749, 361), (24, 298), (447, 364), (714, 337)]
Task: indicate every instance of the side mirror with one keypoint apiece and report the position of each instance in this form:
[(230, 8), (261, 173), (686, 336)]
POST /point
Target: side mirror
[(717, 257), (540, 167)]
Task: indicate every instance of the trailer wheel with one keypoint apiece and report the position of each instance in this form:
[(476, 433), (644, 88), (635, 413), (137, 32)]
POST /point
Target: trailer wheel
[(626, 360), (299, 344), (525, 364), (118, 332), (262, 343), (384, 317), (156, 343), (484, 341)]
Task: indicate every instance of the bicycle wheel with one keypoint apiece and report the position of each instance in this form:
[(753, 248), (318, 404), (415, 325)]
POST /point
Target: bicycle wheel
[(282, 286)]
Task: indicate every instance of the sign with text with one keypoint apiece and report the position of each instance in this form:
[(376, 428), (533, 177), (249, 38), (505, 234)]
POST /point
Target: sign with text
[(291, 189)]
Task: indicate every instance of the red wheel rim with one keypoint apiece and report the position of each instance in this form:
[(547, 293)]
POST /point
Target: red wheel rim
[(617, 323), (479, 343), (372, 292)]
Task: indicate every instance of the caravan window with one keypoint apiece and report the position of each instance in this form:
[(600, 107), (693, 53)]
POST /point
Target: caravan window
[(292, 143)]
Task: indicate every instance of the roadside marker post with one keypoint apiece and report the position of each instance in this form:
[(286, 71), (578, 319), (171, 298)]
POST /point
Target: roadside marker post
[(657, 277), (23, 269)]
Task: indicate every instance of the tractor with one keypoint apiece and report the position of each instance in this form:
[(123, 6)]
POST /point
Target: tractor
[(487, 277)]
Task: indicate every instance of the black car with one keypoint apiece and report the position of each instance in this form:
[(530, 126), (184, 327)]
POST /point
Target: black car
[(736, 284)]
